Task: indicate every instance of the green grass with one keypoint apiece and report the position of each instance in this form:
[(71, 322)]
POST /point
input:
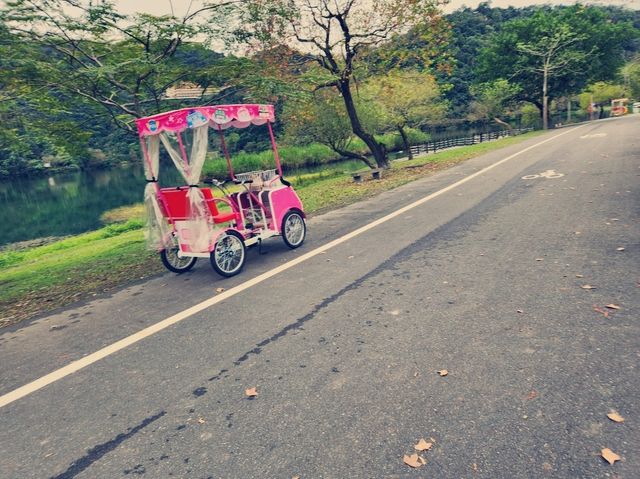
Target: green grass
[(44, 277)]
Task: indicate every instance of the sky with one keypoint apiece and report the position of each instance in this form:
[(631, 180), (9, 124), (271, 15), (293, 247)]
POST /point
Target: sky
[(180, 7)]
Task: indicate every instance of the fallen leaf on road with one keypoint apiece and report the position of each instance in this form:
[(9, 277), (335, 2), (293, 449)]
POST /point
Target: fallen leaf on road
[(350, 257), (474, 467), (539, 259), (532, 395), (615, 417), (443, 372), (251, 392), (423, 445), (414, 461), (620, 249), (200, 420), (601, 311), (579, 276), (612, 306), (519, 311), (587, 286), (609, 455), (219, 290)]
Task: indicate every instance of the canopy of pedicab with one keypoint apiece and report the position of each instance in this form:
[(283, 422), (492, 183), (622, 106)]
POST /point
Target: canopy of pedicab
[(219, 117)]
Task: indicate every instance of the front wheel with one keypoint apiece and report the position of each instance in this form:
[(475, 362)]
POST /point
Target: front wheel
[(293, 229), (175, 263), (228, 255)]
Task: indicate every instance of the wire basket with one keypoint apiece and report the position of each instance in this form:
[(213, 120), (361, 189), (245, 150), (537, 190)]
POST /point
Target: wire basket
[(258, 178)]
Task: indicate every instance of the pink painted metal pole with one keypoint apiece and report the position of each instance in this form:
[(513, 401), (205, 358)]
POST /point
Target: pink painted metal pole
[(226, 153), (275, 148)]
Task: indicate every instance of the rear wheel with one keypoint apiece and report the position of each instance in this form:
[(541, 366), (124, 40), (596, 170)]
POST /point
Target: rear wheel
[(173, 262), (293, 229), (228, 254)]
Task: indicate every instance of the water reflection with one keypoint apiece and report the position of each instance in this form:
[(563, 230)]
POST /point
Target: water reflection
[(67, 204)]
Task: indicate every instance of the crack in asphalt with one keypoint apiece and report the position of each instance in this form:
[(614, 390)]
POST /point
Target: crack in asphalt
[(96, 453)]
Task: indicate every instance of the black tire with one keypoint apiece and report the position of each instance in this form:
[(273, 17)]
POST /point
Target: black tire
[(229, 254), (293, 229), (172, 262)]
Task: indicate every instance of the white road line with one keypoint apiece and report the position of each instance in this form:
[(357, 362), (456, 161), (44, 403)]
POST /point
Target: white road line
[(176, 318)]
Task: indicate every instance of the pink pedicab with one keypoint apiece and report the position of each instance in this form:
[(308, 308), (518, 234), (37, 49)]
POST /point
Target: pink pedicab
[(188, 222)]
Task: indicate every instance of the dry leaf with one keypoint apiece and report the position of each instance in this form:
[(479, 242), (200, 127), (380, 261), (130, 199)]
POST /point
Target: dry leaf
[(533, 394), (219, 290), (612, 306), (601, 311), (423, 445), (539, 259), (587, 286), (609, 455), (200, 420), (251, 392), (579, 276), (414, 461), (474, 466), (620, 249), (350, 257), (443, 372), (615, 417), (295, 477), (519, 311)]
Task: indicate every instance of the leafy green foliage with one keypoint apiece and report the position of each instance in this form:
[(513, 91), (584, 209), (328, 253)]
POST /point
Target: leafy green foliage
[(577, 43)]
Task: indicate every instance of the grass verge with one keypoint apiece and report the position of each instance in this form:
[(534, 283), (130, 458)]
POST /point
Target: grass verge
[(43, 278)]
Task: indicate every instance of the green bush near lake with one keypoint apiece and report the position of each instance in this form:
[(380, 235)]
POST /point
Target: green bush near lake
[(292, 157), (296, 157)]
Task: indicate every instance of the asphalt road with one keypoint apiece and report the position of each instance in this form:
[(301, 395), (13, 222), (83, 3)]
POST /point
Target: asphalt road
[(484, 280)]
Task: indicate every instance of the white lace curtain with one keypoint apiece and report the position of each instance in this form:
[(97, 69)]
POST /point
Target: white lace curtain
[(189, 164), (156, 232)]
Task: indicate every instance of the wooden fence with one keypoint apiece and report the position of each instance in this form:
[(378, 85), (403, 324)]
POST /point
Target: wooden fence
[(433, 146)]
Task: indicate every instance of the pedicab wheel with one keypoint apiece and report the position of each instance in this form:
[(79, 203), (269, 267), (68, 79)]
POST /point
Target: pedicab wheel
[(228, 254), (293, 229), (175, 263)]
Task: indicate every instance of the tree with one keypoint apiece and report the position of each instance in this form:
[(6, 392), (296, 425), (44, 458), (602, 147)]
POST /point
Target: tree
[(321, 118), (493, 99), (336, 36), (555, 52), (408, 98), (122, 64), (630, 74)]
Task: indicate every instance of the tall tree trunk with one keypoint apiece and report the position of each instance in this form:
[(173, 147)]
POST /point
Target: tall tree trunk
[(405, 141), (545, 99), (378, 150)]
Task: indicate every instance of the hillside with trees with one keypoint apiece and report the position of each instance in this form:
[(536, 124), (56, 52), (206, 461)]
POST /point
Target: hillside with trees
[(75, 75)]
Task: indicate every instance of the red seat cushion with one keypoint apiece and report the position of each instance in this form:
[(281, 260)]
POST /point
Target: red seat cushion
[(176, 205)]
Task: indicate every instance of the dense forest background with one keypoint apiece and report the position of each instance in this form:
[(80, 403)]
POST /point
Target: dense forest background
[(71, 104)]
